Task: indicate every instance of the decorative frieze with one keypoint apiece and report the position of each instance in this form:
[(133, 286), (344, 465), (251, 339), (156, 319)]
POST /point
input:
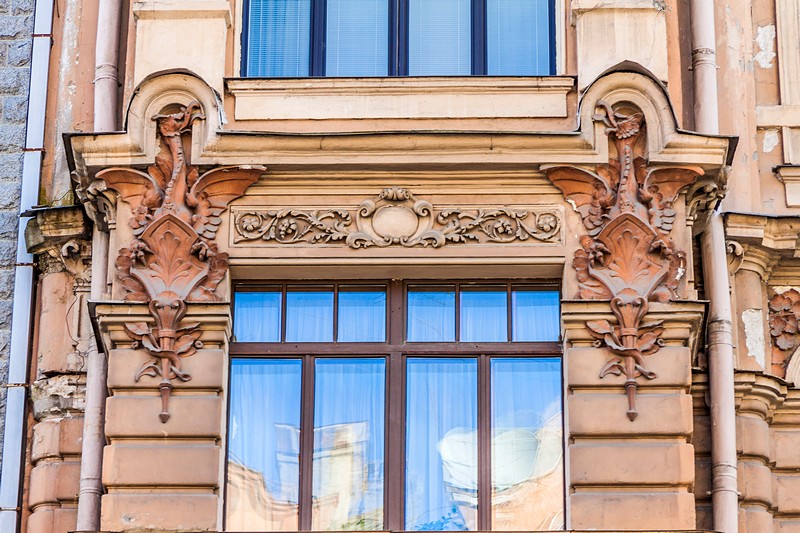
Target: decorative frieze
[(398, 218), (173, 258), (627, 255)]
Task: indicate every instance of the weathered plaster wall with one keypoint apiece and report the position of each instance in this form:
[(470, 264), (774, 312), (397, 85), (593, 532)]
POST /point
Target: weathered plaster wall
[(16, 25)]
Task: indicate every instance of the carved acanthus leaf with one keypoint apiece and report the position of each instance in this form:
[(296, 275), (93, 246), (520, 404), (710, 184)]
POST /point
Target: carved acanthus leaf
[(173, 258), (627, 256), (784, 328), (397, 217)]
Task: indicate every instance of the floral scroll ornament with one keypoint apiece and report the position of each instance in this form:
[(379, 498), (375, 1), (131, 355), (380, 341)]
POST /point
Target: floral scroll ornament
[(626, 256), (784, 328), (173, 258), (397, 218)]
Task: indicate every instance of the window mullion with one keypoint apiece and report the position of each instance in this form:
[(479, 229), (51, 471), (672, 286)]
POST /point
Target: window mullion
[(484, 444), (306, 444), (395, 455), (401, 40)]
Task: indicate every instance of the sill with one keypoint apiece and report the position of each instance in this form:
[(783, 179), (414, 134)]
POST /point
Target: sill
[(444, 99)]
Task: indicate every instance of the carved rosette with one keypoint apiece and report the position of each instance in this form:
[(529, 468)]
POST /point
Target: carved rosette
[(173, 258), (626, 256), (784, 328), (398, 218)]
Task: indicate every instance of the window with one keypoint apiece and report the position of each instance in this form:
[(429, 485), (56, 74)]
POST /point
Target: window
[(297, 38), (395, 406)]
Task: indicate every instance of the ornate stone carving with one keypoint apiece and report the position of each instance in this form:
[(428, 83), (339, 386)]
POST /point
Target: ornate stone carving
[(627, 255), (173, 258), (784, 327), (397, 217)]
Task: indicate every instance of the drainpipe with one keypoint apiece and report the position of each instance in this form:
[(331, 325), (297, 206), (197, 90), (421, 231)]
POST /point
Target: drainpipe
[(719, 335), (14, 436), (106, 86)]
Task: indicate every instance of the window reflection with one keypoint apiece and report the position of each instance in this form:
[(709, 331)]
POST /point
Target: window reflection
[(309, 316), (535, 315), (348, 445), (527, 445), (431, 314), (264, 445), (258, 316), (441, 445), (362, 315), (484, 315)]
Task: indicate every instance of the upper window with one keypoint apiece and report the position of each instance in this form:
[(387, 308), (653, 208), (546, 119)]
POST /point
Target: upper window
[(296, 38), (395, 406)]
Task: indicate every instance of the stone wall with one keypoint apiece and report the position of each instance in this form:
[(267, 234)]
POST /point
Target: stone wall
[(16, 27)]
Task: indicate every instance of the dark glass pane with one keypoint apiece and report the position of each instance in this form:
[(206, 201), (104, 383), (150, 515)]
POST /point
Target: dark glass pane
[(257, 316), (439, 34), (441, 445), (348, 458), (264, 445), (357, 41), (527, 445), (535, 315), (484, 315), (431, 314), (362, 315), (309, 316), (518, 39)]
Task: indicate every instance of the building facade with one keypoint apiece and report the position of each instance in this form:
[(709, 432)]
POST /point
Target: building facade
[(400, 265)]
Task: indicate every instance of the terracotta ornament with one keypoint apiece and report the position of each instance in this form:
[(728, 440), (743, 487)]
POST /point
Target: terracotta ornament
[(626, 256), (173, 258), (398, 218), (784, 328)]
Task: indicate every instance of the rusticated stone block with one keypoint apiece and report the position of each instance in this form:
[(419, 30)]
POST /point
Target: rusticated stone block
[(161, 466), (672, 364), (787, 494), (207, 368), (753, 436), (137, 416), (52, 520), (57, 437), (173, 512), (755, 482), (605, 414), (54, 482), (632, 511), (790, 525), (787, 451), (755, 519), (631, 464)]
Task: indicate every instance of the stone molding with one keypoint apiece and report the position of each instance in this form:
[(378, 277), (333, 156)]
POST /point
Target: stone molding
[(627, 255), (398, 218)]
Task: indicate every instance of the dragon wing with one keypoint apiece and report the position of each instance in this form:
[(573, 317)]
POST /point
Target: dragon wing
[(214, 190), (134, 186), (589, 193)]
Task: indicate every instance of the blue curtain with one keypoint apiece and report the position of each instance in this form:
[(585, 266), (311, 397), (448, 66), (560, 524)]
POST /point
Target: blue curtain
[(348, 463), (264, 443), (439, 38), (441, 444), (362, 316), (309, 316), (257, 316), (518, 39), (431, 316), (535, 315), (278, 38), (484, 316), (357, 38)]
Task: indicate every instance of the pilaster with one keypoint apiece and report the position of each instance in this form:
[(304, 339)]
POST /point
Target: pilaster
[(164, 475), (630, 474)]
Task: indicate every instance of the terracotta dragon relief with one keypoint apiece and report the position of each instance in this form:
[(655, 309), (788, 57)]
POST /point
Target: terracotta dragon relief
[(173, 258), (626, 256)]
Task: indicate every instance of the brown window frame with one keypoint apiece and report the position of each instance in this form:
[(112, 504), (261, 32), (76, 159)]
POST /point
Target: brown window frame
[(395, 351)]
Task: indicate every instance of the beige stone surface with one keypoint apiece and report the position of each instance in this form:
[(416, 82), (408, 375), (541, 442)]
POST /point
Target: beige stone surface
[(53, 483), (787, 451), (192, 416), (167, 465), (177, 511), (207, 367), (52, 520), (755, 482), (753, 437), (605, 414), (672, 364), (57, 437), (625, 510), (631, 463), (787, 495)]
